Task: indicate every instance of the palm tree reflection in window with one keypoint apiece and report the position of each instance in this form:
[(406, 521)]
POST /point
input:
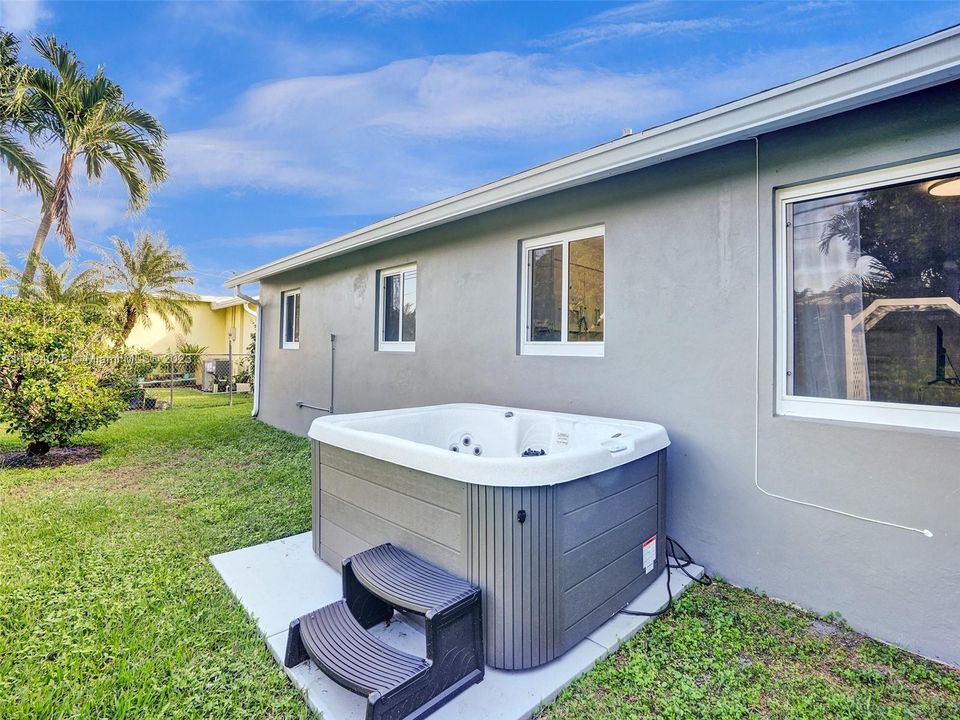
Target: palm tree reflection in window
[(897, 245)]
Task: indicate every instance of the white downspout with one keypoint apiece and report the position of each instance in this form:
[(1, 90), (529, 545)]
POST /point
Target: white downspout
[(257, 348)]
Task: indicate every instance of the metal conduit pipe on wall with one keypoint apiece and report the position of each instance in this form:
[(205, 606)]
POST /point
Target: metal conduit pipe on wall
[(333, 358)]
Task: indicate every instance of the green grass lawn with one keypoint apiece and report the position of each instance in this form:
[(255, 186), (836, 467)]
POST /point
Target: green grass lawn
[(725, 652), (190, 397), (108, 605), (110, 609)]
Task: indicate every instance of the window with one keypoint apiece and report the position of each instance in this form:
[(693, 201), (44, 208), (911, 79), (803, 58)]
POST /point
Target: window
[(398, 309), (561, 294), (290, 320), (870, 297)]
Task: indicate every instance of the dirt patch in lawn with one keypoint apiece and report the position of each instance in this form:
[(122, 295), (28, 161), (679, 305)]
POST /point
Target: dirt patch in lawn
[(56, 457)]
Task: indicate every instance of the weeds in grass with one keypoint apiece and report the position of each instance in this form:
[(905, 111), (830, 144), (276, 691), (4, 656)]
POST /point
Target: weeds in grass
[(725, 652)]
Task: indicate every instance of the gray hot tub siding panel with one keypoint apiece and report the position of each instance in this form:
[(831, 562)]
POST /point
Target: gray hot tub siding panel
[(513, 563), (538, 599), (602, 523), (365, 502)]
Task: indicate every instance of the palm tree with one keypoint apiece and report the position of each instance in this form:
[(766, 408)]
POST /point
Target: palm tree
[(61, 286), (147, 277), (17, 116), (88, 118)]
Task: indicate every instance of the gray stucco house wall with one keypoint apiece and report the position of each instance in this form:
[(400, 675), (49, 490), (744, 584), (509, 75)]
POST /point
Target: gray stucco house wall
[(682, 287)]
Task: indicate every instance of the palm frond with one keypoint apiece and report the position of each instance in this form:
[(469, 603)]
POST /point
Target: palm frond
[(140, 120), (60, 56), (28, 171), (867, 273), (60, 202), (9, 49)]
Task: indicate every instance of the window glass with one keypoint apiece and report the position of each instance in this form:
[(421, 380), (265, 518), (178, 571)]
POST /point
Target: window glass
[(290, 318), (409, 321), (546, 292), (296, 318), (585, 306), (391, 305), (876, 285)]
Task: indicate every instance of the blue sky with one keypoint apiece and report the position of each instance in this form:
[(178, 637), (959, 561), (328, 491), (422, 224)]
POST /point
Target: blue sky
[(291, 123)]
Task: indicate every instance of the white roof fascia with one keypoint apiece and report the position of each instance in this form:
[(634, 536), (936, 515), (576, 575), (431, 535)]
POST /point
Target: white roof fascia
[(219, 303), (914, 66)]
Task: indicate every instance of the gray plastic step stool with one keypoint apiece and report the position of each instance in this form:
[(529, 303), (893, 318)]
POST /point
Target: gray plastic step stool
[(398, 686)]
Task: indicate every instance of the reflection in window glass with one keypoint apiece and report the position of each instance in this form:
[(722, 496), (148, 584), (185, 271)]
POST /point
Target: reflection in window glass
[(296, 318), (585, 306), (546, 292), (290, 318), (876, 285), (409, 324), (391, 304)]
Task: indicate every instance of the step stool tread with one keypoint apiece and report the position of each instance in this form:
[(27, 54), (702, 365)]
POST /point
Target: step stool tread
[(353, 657), (409, 582)]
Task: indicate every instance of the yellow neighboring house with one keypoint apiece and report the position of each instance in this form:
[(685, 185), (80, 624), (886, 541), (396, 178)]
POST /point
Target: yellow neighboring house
[(213, 318)]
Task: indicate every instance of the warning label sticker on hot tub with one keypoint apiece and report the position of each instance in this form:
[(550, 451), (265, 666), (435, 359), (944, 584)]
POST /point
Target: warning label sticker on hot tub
[(649, 554)]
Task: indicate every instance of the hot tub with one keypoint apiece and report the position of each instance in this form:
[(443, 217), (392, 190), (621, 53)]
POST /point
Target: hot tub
[(558, 518)]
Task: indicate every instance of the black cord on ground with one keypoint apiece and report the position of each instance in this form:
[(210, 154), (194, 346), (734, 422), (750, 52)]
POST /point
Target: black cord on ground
[(680, 564)]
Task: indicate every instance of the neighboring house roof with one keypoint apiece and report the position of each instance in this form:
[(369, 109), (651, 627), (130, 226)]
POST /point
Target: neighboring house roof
[(219, 303), (920, 64)]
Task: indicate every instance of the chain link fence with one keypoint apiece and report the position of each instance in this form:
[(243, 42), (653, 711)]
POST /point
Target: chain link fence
[(158, 381)]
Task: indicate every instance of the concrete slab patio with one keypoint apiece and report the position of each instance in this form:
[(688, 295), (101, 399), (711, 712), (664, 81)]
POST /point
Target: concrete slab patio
[(281, 580)]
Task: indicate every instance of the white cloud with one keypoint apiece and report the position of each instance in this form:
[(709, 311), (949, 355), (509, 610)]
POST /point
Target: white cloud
[(410, 131), (598, 32), (634, 11), (220, 16), (293, 238), (506, 95), (21, 16), (375, 10), (168, 86), (644, 19), (658, 18), (235, 157)]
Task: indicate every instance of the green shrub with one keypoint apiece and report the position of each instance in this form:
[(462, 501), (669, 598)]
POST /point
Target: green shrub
[(49, 391), (124, 373), (190, 349), (243, 373), (252, 354), (191, 358)]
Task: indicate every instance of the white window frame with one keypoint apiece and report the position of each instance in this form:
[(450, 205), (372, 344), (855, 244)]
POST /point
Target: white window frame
[(284, 343), (904, 415), (563, 346), (394, 345)]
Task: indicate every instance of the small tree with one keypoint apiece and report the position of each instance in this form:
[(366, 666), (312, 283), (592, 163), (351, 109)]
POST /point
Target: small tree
[(48, 389)]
